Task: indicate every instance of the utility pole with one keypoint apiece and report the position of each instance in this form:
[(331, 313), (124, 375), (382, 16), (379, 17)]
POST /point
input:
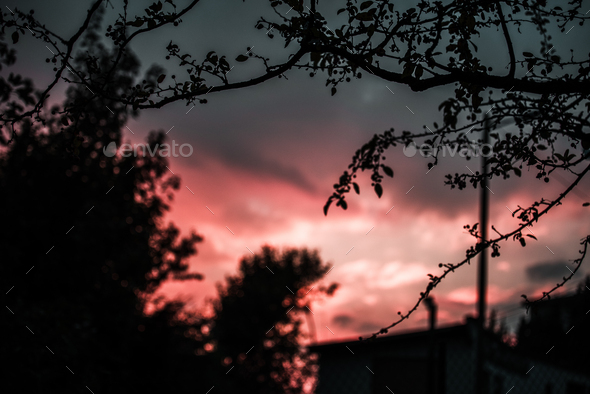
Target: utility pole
[(482, 268)]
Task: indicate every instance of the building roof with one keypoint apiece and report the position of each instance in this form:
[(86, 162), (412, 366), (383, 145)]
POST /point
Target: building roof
[(461, 330)]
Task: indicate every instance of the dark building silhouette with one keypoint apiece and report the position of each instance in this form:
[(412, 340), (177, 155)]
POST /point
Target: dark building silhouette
[(439, 361)]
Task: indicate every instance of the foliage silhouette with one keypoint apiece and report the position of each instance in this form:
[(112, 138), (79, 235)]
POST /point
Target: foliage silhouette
[(257, 330), (88, 248), (425, 45), (84, 247)]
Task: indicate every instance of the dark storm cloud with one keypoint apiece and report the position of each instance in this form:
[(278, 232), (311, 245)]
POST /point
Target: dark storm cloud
[(264, 167), (342, 321), (542, 272)]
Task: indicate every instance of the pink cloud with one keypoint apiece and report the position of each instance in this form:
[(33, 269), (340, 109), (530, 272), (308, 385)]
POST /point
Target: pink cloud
[(386, 270), (468, 295)]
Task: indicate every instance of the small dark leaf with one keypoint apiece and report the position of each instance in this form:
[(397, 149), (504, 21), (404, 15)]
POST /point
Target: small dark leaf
[(388, 171), (161, 78), (15, 37), (328, 203), (419, 71), (343, 204), (532, 161), (366, 4), (527, 54), (532, 236), (530, 64), (333, 91), (241, 58), (408, 70), (364, 16), (357, 189), (378, 190), (586, 204)]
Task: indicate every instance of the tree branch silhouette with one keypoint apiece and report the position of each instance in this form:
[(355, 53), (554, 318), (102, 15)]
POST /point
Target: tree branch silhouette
[(482, 245), (423, 46)]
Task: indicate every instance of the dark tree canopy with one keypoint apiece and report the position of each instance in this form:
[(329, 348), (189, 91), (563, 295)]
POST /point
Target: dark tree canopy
[(542, 87), (84, 246), (257, 328)]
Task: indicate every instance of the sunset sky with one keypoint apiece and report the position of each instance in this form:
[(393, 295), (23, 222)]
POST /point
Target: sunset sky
[(264, 162)]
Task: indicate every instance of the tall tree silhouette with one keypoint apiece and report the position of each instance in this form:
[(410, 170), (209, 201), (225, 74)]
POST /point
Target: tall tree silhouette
[(256, 331), (87, 247), (84, 246)]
